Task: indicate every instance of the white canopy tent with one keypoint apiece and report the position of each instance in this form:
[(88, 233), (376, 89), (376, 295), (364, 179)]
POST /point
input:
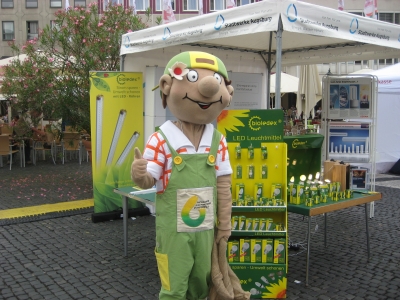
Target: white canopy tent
[(257, 37), (388, 121)]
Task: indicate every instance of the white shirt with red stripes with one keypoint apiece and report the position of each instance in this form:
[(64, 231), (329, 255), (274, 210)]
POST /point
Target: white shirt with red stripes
[(160, 158)]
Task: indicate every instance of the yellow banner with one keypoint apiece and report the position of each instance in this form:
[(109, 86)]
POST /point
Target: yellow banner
[(116, 114)]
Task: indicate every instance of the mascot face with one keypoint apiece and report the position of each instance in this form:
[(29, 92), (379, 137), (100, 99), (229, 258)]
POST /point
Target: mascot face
[(196, 87)]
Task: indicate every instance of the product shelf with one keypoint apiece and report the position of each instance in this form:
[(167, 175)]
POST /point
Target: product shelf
[(258, 233), (259, 208)]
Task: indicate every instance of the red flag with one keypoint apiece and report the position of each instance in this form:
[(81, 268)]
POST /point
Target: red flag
[(200, 7), (230, 3), (168, 13), (341, 4), (369, 8)]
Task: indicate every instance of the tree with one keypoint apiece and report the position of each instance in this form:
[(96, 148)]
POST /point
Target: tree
[(53, 79)]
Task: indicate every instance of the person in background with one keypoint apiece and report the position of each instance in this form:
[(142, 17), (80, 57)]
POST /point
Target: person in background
[(21, 129), (14, 120)]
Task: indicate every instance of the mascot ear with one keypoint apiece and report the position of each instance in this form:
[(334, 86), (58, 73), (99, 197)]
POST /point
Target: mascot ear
[(165, 87), (230, 89)]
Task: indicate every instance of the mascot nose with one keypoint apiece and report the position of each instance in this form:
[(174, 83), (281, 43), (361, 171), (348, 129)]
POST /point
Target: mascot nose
[(208, 86)]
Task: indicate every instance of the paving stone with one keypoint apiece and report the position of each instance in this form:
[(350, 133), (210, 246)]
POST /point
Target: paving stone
[(66, 256)]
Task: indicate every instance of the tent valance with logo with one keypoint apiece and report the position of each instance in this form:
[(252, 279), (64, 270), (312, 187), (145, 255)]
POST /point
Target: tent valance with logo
[(257, 37)]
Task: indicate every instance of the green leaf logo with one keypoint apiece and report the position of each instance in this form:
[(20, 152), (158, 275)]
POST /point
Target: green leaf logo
[(101, 84)]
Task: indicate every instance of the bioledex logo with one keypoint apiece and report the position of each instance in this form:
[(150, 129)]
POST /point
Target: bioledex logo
[(256, 123), (296, 143)]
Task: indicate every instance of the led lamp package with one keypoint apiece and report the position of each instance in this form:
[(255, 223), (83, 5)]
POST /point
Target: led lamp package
[(256, 252), (279, 251), (267, 255), (233, 251), (245, 250)]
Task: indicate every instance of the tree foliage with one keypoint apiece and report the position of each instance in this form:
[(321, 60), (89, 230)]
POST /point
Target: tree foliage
[(53, 78)]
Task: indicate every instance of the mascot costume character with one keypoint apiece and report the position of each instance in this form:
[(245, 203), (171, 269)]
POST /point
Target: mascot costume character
[(188, 161)]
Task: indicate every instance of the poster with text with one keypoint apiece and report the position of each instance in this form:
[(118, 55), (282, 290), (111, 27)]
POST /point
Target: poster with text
[(350, 97), (116, 115)]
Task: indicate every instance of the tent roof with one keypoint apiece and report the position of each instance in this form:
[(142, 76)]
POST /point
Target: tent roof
[(331, 35)]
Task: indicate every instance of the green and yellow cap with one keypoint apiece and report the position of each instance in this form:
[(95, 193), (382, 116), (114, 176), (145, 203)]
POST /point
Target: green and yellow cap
[(195, 60)]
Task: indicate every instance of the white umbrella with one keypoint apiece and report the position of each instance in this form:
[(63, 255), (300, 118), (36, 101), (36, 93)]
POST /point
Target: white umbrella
[(309, 89), (289, 83), (7, 61)]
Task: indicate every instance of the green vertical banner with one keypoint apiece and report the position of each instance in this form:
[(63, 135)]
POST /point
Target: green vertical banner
[(116, 115)]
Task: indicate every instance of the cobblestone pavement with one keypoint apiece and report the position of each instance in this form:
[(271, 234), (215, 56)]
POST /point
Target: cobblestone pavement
[(67, 256)]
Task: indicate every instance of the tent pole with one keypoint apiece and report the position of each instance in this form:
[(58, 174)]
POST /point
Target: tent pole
[(278, 65), (122, 65), (269, 72)]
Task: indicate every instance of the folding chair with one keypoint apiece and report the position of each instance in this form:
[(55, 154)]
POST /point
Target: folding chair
[(6, 148), (71, 142)]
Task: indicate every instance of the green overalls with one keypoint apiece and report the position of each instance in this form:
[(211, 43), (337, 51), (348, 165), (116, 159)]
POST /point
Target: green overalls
[(185, 219)]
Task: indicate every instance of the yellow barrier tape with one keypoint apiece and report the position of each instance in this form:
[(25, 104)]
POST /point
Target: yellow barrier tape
[(45, 208)]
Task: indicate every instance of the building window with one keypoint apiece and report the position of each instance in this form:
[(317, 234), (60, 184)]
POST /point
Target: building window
[(111, 2), (81, 3), (141, 5), (244, 2), (32, 29), (190, 5), (8, 30), (7, 3), (217, 5), (356, 13), (31, 3), (54, 25), (386, 17), (159, 4), (55, 4)]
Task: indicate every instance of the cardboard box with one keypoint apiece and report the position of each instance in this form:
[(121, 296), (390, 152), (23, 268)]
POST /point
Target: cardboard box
[(341, 173), (328, 169)]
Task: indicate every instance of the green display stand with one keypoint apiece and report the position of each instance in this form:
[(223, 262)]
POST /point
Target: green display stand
[(304, 154)]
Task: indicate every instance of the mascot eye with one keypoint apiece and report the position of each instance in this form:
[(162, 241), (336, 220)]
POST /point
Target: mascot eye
[(192, 76), (218, 77)]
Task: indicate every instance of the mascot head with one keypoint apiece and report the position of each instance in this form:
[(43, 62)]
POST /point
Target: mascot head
[(196, 87)]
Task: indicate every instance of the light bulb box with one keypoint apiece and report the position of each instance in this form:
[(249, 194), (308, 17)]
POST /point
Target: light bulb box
[(233, 251), (279, 251), (256, 250), (267, 255), (245, 250)]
